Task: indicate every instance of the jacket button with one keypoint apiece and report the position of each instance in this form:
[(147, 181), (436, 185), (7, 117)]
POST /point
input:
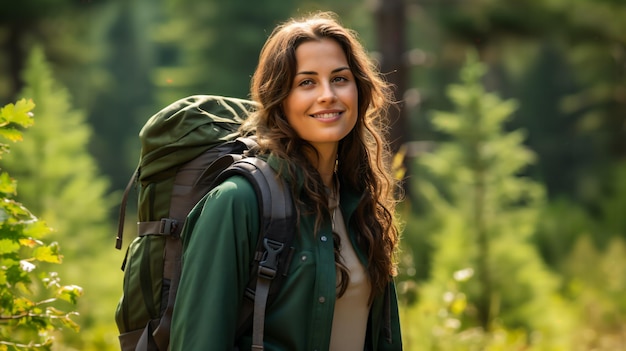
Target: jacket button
[(323, 238), (322, 299)]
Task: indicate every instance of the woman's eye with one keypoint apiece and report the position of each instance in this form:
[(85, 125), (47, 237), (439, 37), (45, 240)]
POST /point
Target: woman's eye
[(339, 79), (305, 82)]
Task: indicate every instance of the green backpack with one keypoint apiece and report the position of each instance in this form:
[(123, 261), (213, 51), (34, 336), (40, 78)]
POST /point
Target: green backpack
[(187, 148)]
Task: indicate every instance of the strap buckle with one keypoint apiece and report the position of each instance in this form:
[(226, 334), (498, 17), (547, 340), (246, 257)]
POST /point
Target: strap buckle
[(168, 226), (269, 263)]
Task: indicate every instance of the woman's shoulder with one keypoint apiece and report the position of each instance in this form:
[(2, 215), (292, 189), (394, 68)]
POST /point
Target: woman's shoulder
[(235, 188)]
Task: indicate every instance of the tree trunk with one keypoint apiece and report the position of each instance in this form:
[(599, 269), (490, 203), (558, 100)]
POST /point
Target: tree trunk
[(16, 57), (391, 36)]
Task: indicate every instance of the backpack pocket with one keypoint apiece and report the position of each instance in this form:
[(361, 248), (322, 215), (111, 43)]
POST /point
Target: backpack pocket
[(143, 295)]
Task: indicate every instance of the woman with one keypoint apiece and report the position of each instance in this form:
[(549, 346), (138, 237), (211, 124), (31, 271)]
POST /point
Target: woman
[(318, 125)]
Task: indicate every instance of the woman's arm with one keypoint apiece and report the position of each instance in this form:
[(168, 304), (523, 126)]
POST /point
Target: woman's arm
[(215, 267)]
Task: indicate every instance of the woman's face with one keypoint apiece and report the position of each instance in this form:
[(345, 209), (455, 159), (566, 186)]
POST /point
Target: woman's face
[(322, 105)]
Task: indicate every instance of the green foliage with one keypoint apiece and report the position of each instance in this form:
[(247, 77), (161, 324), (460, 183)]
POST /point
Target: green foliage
[(598, 290), (213, 65), (488, 282), (562, 60), (33, 302), (589, 252), (59, 181), (56, 171), (118, 112)]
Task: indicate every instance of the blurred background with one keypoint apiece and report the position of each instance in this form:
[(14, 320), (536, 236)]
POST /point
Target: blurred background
[(510, 139)]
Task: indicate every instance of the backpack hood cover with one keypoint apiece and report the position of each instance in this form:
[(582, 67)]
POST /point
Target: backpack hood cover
[(179, 132)]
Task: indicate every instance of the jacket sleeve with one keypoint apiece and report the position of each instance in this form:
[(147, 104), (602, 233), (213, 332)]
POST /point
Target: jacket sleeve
[(391, 336), (218, 249)]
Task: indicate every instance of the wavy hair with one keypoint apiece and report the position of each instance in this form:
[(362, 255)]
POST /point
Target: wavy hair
[(363, 159)]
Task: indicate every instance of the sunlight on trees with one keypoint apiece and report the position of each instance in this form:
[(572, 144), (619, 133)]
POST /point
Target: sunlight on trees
[(494, 231), (488, 287), (59, 181)]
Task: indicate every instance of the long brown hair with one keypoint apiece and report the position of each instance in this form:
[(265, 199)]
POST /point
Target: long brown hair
[(363, 158)]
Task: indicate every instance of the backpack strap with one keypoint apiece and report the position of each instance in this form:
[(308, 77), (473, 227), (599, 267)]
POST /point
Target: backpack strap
[(180, 203), (273, 251), (120, 224)]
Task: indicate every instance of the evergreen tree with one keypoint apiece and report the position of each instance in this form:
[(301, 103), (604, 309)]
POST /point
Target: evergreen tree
[(212, 47), (118, 112), (60, 182), (564, 62), (487, 277), (31, 295)]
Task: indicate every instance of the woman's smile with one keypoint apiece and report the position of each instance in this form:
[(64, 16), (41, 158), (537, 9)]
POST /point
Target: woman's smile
[(322, 104), (327, 116)]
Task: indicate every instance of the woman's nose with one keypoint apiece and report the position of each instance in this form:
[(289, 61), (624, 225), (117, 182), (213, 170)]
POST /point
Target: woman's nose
[(327, 93)]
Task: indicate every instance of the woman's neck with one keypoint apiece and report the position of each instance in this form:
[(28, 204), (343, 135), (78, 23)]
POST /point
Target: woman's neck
[(327, 172), (325, 163)]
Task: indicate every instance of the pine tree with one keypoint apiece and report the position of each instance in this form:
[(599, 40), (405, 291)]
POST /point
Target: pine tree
[(59, 182), (487, 277), (31, 295), (60, 178)]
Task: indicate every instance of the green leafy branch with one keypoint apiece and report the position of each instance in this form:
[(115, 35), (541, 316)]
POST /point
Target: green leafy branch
[(33, 302)]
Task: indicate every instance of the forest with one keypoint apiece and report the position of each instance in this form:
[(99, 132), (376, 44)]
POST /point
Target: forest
[(510, 142)]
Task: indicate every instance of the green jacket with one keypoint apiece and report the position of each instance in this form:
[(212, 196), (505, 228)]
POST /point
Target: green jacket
[(224, 231)]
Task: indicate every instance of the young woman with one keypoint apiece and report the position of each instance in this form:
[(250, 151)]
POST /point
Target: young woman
[(319, 125)]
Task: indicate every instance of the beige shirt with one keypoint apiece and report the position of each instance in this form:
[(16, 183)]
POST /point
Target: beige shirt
[(352, 309)]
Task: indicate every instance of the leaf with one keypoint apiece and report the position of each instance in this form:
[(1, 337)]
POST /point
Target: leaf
[(8, 185), (69, 323), (70, 293), (37, 229), (16, 210), (8, 246), (11, 134), (47, 254), (20, 113), (53, 311), (22, 304), (30, 242)]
